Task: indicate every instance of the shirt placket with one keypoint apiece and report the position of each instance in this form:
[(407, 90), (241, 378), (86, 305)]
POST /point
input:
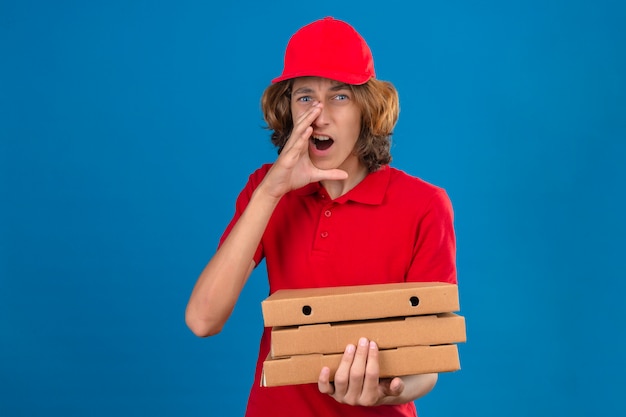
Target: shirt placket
[(324, 233)]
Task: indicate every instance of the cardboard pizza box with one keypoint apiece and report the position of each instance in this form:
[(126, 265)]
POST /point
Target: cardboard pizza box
[(433, 329), (291, 307), (304, 369)]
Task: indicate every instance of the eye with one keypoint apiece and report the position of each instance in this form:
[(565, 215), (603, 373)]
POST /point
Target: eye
[(304, 99), (341, 97)]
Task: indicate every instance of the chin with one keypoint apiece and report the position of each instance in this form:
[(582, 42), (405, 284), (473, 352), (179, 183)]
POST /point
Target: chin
[(324, 165)]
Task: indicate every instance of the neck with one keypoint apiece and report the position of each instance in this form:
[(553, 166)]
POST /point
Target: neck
[(337, 188)]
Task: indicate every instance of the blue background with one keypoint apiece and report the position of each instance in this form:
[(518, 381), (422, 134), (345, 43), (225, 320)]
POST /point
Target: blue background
[(127, 128)]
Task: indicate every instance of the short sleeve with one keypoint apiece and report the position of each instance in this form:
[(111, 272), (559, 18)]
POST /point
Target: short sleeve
[(434, 253), (242, 202)]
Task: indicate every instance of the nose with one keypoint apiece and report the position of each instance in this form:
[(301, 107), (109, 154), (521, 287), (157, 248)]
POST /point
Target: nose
[(322, 118)]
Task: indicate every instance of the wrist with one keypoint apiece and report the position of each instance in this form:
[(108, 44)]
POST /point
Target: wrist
[(263, 197), (268, 193)]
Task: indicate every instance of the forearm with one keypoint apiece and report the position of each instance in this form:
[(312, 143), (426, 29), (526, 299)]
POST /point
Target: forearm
[(415, 386), (220, 283)]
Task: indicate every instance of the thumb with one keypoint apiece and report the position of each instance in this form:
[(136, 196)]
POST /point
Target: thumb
[(329, 174), (395, 387)]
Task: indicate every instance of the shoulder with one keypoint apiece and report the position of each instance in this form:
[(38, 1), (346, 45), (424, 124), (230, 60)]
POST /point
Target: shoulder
[(418, 196), (258, 174), (414, 193), (255, 178), (410, 186)]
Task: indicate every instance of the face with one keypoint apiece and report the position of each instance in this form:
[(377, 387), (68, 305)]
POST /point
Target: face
[(336, 130)]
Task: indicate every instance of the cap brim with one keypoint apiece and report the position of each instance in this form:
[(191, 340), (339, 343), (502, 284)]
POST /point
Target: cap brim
[(354, 79)]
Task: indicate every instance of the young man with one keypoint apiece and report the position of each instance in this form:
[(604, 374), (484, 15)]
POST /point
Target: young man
[(330, 211)]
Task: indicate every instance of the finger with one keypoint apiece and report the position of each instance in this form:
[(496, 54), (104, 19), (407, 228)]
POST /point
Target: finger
[(328, 174), (342, 376), (302, 129), (369, 395), (309, 115), (392, 387), (323, 383), (297, 144), (396, 386), (357, 370)]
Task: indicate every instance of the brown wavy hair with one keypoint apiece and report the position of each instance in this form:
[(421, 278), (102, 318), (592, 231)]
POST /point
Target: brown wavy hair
[(379, 105)]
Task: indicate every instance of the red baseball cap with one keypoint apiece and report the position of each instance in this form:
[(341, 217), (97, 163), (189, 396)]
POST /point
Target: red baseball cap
[(328, 48)]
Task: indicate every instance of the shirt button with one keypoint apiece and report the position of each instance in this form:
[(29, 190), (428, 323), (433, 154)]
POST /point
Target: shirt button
[(327, 213), (324, 234)]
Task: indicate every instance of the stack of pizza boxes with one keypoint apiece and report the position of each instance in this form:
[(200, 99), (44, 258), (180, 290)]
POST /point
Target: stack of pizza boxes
[(413, 323)]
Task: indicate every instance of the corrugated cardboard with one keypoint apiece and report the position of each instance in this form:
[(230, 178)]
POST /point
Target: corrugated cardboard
[(434, 329), (334, 304), (303, 369)]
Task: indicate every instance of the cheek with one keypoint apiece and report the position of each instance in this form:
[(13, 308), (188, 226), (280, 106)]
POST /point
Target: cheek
[(355, 123)]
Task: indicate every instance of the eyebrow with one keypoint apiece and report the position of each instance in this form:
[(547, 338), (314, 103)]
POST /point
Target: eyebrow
[(340, 86), (336, 87), (303, 90)]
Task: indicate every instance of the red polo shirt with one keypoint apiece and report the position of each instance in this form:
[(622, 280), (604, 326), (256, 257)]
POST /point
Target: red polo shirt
[(391, 227)]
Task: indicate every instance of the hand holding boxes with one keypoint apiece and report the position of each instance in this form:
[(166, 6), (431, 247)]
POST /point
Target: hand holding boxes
[(413, 324)]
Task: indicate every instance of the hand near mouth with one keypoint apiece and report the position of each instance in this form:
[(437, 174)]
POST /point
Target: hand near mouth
[(293, 168)]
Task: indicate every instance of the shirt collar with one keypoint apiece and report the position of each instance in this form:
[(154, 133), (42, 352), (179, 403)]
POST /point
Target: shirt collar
[(369, 191)]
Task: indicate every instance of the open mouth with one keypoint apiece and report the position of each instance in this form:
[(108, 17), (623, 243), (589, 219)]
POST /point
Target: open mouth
[(322, 142)]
